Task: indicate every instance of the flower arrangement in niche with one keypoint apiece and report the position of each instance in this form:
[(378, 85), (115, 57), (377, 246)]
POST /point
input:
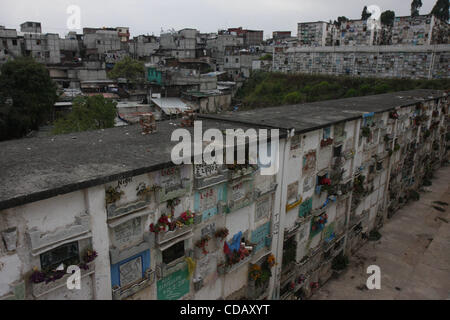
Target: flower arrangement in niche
[(162, 225), (233, 257), (255, 272), (187, 218), (143, 190), (326, 142), (393, 115), (271, 260), (221, 233), (48, 276), (202, 243), (113, 194), (168, 223), (90, 256), (325, 182), (319, 223)]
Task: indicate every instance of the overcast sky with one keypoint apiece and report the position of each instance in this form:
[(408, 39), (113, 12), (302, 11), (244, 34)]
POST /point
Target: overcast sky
[(150, 16)]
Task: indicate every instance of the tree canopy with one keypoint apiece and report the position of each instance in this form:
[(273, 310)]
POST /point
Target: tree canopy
[(340, 20), (440, 10), (128, 68), (415, 6), (387, 18), (88, 113), (365, 14), (27, 96)]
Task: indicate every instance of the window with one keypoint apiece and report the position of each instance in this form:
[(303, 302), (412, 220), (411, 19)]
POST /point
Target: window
[(5, 43), (226, 60), (237, 60), (14, 42), (289, 251), (38, 42), (173, 253), (67, 254), (337, 151)]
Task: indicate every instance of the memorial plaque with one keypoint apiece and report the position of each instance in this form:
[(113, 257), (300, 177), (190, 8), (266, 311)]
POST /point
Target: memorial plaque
[(171, 179), (309, 161), (130, 272), (259, 236), (263, 208), (174, 286), (205, 170), (238, 192), (128, 232), (308, 183), (292, 192), (208, 199), (209, 230)]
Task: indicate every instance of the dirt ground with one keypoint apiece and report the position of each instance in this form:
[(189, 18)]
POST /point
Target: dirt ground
[(413, 253)]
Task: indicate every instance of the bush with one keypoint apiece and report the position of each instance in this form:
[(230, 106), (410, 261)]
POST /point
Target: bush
[(265, 89), (374, 235), (352, 93), (414, 195), (293, 98), (88, 113), (340, 262)]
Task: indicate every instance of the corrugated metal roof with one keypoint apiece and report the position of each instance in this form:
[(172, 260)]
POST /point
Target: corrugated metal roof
[(171, 105)]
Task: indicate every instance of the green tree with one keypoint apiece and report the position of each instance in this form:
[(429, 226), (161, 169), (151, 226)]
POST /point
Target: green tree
[(88, 113), (293, 98), (440, 10), (351, 93), (130, 69), (387, 18), (266, 57), (415, 6), (27, 97), (365, 14)]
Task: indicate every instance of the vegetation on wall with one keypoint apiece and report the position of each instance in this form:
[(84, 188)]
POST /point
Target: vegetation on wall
[(265, 89)]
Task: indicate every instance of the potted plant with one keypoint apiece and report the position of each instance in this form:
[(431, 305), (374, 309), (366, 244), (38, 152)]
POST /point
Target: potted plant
[(112, 195), (202, 244), (220, 235), (393, 115), (143, 191)]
